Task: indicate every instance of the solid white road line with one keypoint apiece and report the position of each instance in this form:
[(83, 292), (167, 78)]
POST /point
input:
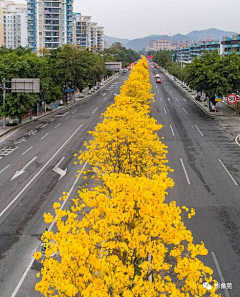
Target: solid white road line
[(50, 228), (74, 111), (36, 175), (185, 110), (177, 99), (67, 117), (104, 99), (4, 168), (57, 125), (94, 110), (219, 273), (185, 171), (172, 130), (26, 151), (10, 134), (165, 110), (184, 99), (234, 181), (198, 130), (44, 136)]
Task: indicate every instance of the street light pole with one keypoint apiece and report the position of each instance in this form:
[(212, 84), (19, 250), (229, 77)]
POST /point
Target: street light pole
[(4, 103)]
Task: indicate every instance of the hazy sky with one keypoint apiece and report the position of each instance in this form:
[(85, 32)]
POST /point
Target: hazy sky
[(138, 18)]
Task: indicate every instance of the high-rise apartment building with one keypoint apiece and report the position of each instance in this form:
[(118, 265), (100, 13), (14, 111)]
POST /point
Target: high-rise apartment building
[(13, 24), (86, 34), (50, 23), (82, 31)]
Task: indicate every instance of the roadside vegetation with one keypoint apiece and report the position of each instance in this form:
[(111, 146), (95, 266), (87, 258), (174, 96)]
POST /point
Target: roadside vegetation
[(210, 73), (121, 237)]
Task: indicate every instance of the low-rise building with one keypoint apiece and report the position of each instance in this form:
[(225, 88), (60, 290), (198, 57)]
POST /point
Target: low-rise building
[(229, 45)]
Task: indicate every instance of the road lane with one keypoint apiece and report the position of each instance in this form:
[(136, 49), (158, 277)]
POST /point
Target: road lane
[(212, 191), (22, 224)]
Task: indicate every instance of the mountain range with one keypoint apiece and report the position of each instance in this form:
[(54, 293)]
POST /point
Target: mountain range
[(195, 36)]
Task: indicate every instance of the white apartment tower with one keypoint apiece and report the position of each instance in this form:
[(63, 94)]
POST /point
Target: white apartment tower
[(13, 24)]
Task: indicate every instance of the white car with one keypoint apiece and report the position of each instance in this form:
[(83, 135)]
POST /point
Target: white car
[(157, 76)]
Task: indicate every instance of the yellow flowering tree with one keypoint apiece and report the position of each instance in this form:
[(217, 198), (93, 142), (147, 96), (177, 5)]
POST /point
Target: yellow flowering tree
[(121, 238)]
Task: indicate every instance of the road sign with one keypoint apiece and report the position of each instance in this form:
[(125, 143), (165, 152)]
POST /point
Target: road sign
[(25, 85), (218, 99), (232, 99)]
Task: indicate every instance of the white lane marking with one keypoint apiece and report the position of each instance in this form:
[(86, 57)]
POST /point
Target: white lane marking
[(50, 228), (198, 130), (161, 98), (185, 171), (57, 125), (177, 99), (172, 130), (20, 172), (10, 134), (104, 99), (184, 99), (236, 140), (58, 170), (219, 272), (67, 117), (94, 110), (165, 110), (4, 168), (74, 111), (185, 110), (234, 181), (158, 92), (37, 174), (26, 151), (171, 91), (62, 115), (7, 150), (169, 99), (44, 136)]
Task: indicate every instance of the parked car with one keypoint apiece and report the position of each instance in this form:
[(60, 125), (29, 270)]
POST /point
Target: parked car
[(158, 80)]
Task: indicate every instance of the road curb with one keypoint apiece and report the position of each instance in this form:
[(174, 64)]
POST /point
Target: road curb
[(58, 110), (190, 97)]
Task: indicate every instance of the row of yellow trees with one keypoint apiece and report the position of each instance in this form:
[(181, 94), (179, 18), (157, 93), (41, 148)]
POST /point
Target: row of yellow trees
[(121, 238)]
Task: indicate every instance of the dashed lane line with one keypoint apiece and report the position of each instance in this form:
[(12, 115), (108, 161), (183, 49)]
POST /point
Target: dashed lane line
[(27, 151), (4, 168), (172, 130), (176, 99), (67, 117), (44, 136), (198, 130), (95, 110), (219, 273), (185, 171), (165, 110), (232, 178), (57, 125), (185, 110)]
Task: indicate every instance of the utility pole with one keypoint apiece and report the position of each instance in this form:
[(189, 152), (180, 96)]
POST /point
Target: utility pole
[(4, 103)]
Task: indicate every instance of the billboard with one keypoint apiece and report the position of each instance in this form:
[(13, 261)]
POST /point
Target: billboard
[(25, 85), (113, 66)]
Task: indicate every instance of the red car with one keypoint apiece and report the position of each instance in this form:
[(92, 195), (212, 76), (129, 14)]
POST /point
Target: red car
[(158, 80)]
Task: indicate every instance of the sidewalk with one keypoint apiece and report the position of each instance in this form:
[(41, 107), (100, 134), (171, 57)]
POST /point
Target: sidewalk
[(77, 99), (223, 108)]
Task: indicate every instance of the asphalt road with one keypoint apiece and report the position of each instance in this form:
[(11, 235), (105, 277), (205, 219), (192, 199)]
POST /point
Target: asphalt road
[(29, 185), (206, 161)]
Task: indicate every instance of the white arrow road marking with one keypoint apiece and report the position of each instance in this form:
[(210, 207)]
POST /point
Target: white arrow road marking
[(62, 115), (18, 173), (58, 170), (39, 172)]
